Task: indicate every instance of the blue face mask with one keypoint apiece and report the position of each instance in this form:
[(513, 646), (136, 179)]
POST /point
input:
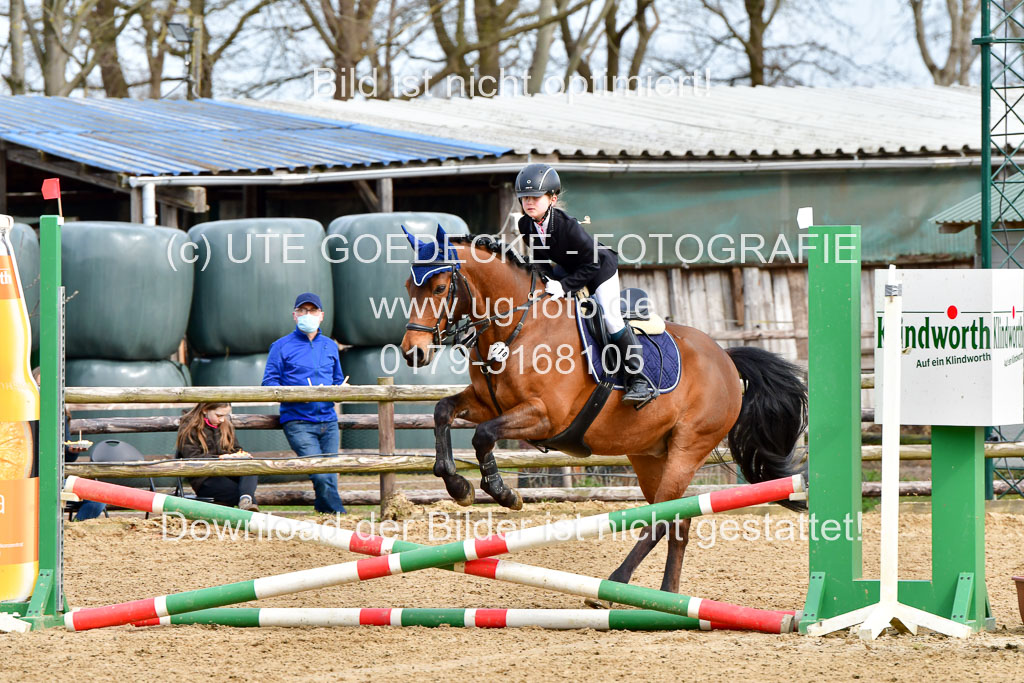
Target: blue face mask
[(308, 323)]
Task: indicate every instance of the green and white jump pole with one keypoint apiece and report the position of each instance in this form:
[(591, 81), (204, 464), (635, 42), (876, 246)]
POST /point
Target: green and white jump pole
[(473, 553), (556, 619)]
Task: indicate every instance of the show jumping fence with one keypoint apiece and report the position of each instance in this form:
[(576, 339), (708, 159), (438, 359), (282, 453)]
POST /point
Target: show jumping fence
[(473, 556)]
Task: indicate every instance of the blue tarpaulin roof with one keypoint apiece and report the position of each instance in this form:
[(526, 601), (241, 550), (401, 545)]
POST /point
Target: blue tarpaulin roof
[(172, 137)]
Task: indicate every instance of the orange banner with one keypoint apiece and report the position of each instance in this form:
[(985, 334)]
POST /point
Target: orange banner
[(19, 521)]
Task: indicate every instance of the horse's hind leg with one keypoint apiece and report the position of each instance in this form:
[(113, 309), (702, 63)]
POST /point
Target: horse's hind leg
[(648, 473), (663, 479), (649, 538), (678, 537)]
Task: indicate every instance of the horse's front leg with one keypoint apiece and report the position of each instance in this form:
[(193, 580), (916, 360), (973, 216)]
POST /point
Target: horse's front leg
[(527, 420), (445, 411)]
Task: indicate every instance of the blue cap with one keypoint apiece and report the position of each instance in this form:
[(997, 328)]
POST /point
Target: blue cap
[(308, 298)]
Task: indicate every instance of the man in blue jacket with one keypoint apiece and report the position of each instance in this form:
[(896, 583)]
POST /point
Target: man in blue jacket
[(307, 358)]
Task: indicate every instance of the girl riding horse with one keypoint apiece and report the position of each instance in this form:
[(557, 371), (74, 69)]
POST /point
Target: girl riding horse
[(751, 396), (555, 236)]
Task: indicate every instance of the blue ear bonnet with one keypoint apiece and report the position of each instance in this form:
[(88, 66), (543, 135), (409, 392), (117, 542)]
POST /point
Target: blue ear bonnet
[(430, 259)]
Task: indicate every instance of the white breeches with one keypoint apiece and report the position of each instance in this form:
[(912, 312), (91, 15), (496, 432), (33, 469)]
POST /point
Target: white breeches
[(607, 295)]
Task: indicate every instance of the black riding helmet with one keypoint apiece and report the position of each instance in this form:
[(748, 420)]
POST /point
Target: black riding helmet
[(536, 180)]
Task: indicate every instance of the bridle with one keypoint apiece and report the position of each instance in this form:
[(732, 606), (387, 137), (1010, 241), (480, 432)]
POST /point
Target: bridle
[(465, 332), (462, 330), (458, 280)]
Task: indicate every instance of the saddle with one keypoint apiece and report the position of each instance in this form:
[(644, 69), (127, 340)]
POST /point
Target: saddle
[(635, 307), (661, 362)]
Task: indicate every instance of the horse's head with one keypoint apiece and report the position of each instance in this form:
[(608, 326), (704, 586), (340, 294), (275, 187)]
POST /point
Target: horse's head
[(433, 289)]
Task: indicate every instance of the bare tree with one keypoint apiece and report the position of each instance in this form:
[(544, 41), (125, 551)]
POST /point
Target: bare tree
[(68, 39), (577, 47), (104, 30), (233, 17), (749, 31), (54, 35), (16, 27), (542, 51), (738, 41), (492, 18), (961, 54), (345, 29), (394, 35), (450, 43), (154, 18), (62, 39), (614, 35), (496, 25)]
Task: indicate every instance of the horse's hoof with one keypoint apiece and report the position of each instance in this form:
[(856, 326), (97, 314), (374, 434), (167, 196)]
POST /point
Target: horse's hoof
[(506, 498), (460, 490), (595, 603)]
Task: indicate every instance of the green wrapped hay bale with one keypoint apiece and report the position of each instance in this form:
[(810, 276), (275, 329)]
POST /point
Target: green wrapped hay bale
[(26, 251), (128, 288), (88, 372), (370, 258), (248, 273)]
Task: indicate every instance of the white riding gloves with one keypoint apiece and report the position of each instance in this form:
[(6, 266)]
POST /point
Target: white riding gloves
[(554, 288)]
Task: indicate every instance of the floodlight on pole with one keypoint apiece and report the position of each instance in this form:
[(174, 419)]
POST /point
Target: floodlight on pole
[(180, 32), (183, 34)]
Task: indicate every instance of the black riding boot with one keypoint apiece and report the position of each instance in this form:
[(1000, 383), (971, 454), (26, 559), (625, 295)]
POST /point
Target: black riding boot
[(638, 389)]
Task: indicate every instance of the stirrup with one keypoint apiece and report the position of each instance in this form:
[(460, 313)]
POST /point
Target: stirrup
[(637, 396)]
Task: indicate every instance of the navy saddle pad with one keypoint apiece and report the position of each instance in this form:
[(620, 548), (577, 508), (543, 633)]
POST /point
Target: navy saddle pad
[(664, 375)]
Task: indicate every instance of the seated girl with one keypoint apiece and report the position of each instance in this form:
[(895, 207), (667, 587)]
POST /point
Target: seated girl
[(206, 431)]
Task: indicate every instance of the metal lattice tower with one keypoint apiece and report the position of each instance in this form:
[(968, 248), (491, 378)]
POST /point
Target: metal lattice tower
[(1002, 121), (1002, 157)]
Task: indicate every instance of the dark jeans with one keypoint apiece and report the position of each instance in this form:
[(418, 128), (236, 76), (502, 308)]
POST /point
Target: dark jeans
[(317, 438), (227, 490), (90, 509)]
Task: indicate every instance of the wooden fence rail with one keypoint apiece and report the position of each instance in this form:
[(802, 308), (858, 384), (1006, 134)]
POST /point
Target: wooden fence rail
[(169, 423), (354, 393), (420, 461), (348, 393), (345, 464)]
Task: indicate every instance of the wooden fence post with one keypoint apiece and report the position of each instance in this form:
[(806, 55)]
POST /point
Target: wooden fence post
[(386, 443)]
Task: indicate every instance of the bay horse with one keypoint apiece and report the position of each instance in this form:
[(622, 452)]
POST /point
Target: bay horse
[(500, 298)]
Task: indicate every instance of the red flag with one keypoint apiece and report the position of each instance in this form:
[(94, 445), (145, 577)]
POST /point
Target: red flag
[(51, 188)]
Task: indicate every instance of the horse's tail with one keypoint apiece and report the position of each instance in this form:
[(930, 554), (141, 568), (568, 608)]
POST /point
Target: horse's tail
[(772, 417)]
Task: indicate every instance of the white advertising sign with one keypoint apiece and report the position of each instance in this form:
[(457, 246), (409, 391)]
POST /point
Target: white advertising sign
[(963, 347)]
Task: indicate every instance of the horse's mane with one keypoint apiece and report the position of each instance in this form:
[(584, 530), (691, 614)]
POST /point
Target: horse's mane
[(496, 246)]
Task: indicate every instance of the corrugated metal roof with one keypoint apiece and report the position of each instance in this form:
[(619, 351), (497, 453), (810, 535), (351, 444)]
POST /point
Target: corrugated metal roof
[(723, 122), (1006, 198), (157, 137)]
